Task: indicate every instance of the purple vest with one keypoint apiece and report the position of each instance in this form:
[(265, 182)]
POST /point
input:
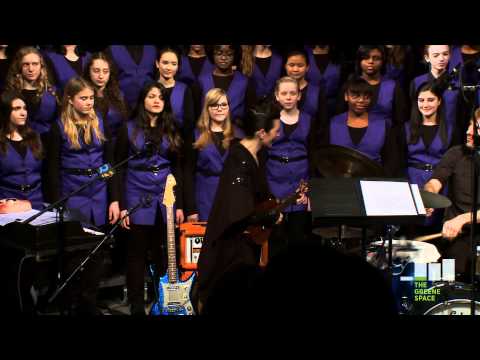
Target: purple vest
[(176, 101), (449, 97), (310, 104), (92, 202), (63, 69), (264, 84), (207, 175), (371, 143), (284, 177), (133, 77), (418, 153), (329, 81), (455, 58), (114, 120), (140, 183), (16, 170), (395, 73), (185, 73), (43, 118), (236, 92), (384, 104)]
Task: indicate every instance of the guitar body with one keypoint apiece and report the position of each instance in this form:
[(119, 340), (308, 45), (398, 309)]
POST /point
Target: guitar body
[(260, 234), (174, 298)]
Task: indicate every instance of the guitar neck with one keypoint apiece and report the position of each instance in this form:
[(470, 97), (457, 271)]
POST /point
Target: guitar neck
[(172, 256)]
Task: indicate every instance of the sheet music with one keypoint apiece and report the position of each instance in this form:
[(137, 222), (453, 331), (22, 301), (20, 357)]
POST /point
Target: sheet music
[(387, 198), (46, 218), (418, 199)]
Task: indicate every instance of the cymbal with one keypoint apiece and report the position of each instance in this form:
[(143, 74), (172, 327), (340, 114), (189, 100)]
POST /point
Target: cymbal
[(339, 161), (434, 201)]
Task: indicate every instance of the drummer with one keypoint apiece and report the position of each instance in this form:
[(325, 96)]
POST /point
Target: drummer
[(362, 130), (455, 169)]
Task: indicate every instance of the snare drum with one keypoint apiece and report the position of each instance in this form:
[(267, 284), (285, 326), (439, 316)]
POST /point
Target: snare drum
[(191, 239), (452, 299), (405, 253)]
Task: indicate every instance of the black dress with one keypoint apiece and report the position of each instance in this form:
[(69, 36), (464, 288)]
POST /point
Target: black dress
[(242, 186)]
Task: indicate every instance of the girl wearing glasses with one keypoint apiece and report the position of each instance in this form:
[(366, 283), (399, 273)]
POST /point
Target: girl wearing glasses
[(194, 63), (240, 90), (388, 98), (28, 75), (207, 148), (180, 95), (153, 133)]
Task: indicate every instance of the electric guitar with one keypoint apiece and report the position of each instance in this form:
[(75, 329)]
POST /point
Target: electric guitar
[(260, 233), (173, 295)]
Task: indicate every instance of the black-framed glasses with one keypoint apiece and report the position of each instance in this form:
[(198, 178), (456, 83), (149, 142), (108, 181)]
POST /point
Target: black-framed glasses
[(218, 106)]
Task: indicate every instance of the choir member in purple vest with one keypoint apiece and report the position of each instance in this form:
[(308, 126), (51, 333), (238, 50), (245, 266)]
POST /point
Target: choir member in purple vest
[(325, 71), (109, 101), (206, 149), (312, 99), (425, 139), (242, 186), (437, 57), (67, 62), (399, 65), (240, 89), (194, 63), (362, 130), (178, 93), (135, 68), (21, 153), (388, 98), (152, 133), (289, 158), (79, 144), (28, 74), (263, 66)]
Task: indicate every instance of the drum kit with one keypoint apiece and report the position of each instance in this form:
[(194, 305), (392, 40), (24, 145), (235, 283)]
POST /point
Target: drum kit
[(449, 297)]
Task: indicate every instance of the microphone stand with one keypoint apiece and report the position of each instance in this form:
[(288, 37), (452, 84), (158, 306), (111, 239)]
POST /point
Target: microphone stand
[(60, 206), (109, 235)]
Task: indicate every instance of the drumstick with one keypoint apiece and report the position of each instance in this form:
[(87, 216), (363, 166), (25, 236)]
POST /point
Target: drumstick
[(428, 237)]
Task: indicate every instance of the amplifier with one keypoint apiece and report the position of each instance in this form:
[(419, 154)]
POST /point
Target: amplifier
[(191, 239)]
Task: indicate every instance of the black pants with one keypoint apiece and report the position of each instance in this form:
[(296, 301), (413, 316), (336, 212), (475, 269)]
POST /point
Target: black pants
[(296, 227), (144, 240), (460, 250)]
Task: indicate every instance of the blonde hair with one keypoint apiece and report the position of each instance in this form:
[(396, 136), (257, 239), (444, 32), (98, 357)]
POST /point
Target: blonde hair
[(212, 97), (286, 79), (15, 80), (70, 118), (247, 61)]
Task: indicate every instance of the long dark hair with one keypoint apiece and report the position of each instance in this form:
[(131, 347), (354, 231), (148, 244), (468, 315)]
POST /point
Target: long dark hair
[(364, 51), (260, 117), (112, 92), (416, 118), (30, 137), (168, 49), (166, 121)]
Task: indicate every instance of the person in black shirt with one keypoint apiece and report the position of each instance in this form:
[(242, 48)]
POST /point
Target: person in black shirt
[(455, 170), (152, 133), (193, 63), (242, 186)]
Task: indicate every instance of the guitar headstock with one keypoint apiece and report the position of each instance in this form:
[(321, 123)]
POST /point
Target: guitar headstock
[(303, 187), (169, 196)]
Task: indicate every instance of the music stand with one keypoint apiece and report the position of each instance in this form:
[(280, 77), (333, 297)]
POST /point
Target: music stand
[(350, 201)]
